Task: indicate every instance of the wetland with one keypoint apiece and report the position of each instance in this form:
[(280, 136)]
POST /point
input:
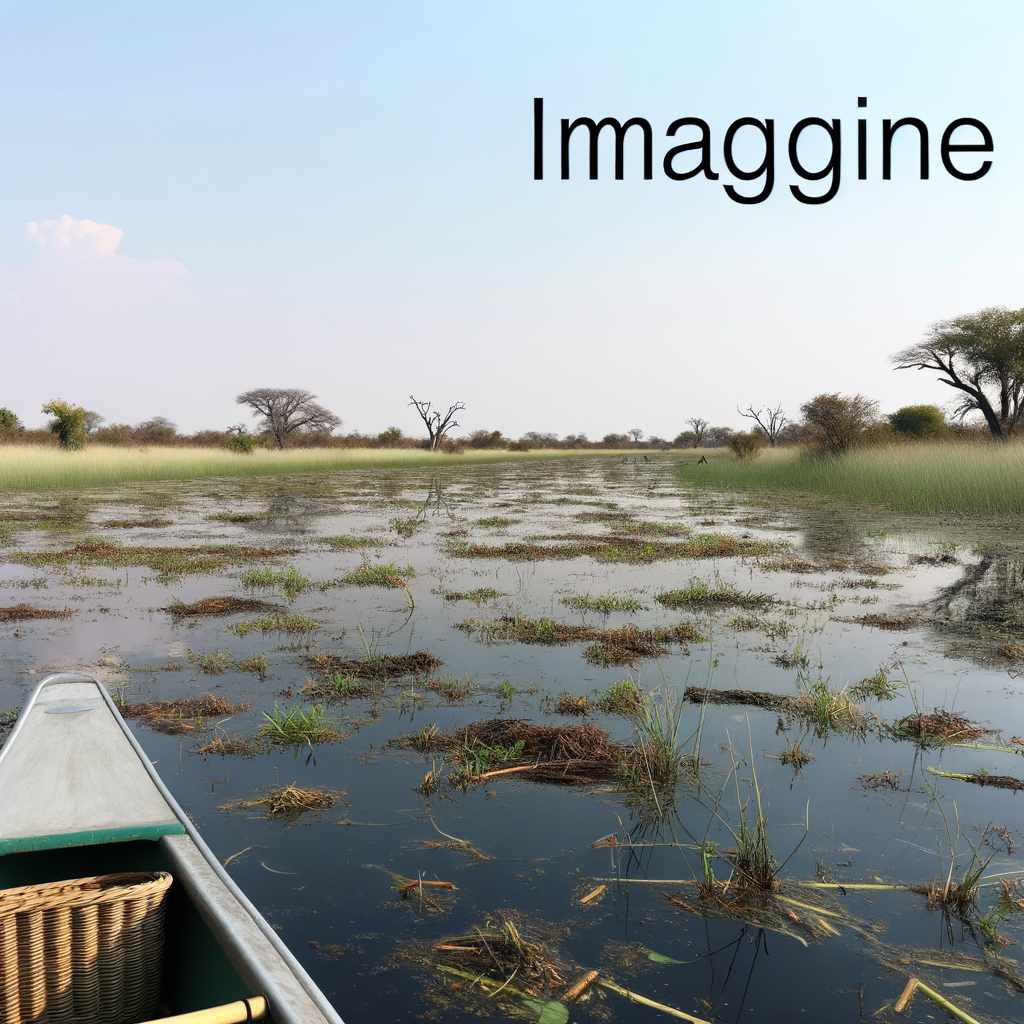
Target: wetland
[(566, 739)]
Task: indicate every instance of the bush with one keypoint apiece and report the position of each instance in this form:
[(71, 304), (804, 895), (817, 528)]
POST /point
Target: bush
[(9, 424), (747, 446), (389, 438), (839, 422), (245, 443), (486, 439), (919, 421)]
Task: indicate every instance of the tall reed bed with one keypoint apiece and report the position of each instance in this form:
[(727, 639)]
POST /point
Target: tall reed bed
[(975, 478), (26, 467)]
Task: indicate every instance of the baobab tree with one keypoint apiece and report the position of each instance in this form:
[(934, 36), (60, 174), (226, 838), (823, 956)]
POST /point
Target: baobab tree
[(771, 421), (286, 410), (437, 425)]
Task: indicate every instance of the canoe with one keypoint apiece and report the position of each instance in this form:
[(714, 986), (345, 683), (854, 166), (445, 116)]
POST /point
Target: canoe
[(145, 920)]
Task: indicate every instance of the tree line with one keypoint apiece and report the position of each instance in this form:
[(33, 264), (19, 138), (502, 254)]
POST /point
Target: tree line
[(980, 356)]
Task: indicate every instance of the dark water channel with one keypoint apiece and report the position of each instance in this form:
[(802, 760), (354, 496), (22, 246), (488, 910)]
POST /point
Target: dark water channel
[(955, 591)]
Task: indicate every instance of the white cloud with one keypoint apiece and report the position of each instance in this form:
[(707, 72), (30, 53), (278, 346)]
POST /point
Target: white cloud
[(80, 235)]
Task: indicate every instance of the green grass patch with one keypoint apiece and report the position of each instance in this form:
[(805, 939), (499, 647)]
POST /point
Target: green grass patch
[(290, 582), (497, 522), (382, 574), (237, 517), (136, 524), (876, 686), (973, 478), (168, 561), (603, 603), (622, 698), (344, 542), (774, 629), (298, 724), (706, 593), (286, 623)]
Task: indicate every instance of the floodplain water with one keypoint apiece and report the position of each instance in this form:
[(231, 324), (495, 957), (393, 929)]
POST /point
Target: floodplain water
[(860, 806)]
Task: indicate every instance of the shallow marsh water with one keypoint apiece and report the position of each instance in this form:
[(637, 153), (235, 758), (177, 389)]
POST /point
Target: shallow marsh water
[(319, 881)]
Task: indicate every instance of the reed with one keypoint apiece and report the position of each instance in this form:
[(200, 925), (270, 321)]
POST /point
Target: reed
[(31, 468), (974, 478)]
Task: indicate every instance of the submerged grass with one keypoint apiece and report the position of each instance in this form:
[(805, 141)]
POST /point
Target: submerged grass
[(711, 593), (282, 623), (980, 478), (603, 603)]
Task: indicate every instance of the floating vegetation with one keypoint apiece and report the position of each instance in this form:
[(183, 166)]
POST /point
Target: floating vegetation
[(876, 686), (634, 550), (376, 666), (290, 582), (570, 704), (383, 574), (622, 698), (654, 758), (299, 724), (344, 542), (938, 726), (213, 607), (795, 754), (25, 612), (288, 803), (181, 716), (451, 687), (707, 593), (135, 524), (337, 687), (287, 622), (480, 595), (982, 778), (255, 664), (429, 894), (887, 621), (168, 561), (603, 603), (881, 780), (623, 646), (567, 754), (233, 746), (818, 705)]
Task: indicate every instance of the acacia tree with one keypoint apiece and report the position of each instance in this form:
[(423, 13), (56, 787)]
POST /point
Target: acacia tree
[(770, 421), (699, 428), (286, 410), (981, 355), (68, 423), (437, 425)]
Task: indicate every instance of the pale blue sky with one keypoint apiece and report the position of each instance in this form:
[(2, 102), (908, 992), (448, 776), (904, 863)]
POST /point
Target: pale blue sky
[(340, 197)]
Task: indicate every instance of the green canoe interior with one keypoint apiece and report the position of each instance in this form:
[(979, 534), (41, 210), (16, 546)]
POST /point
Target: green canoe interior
[(197, 972)]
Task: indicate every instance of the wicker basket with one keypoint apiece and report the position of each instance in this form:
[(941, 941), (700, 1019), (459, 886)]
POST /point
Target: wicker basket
[(84, 950)]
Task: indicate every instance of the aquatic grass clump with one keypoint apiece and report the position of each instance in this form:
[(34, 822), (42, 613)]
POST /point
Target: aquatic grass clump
[(288, 803), (290, 581), (938, 726), (710, 593), (215, 664), (136, 524), (877, 686), (375, 666), (168, 561), (623, 646), (571, 704), (180, 716), (603, 603), (773, 629), (345, 542), (213, 607), (479, 595), (497, 522), (655, 757), (622, 698), (26, 612), (288, 622), (382, 574), (827, 709), (299, 724)]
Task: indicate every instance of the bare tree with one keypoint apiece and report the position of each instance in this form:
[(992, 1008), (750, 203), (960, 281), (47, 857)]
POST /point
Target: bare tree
[(637, 434), (286, 410), (700, 428), (771, 421), (437, 424)]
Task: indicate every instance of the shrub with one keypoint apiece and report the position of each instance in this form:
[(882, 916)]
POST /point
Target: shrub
[(245, 443), (839, 422), (747, 446), (919, 421), (389, 438)]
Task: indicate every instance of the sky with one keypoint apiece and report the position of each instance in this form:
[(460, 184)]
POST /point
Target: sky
[(198, 199)]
